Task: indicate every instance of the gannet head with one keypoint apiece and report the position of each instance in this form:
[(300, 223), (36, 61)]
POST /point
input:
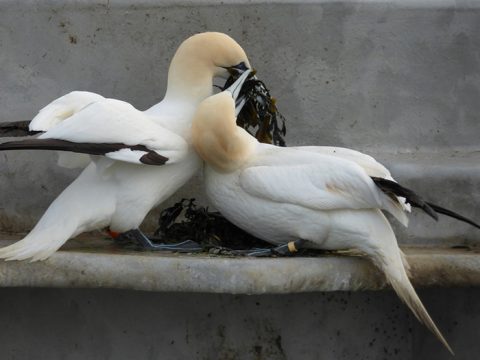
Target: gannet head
[(215, 135), (198, 60)]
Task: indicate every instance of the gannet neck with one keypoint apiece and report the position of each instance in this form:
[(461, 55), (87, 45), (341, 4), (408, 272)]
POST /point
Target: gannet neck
[(197, 61), (218, 140), (188, 80)]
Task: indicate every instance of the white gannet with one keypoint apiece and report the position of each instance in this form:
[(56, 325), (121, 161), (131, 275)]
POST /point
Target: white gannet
[(145, 156), (317, 197)]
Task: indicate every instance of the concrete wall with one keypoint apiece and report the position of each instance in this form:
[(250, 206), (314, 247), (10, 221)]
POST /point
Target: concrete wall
[(400, 80), (382, 77), (117, 325)]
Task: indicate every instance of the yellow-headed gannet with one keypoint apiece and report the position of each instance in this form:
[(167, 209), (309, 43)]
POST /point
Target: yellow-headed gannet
[(140, 158), (316, 197)]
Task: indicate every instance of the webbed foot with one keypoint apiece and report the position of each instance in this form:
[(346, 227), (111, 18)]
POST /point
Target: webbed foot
[(138, 237)]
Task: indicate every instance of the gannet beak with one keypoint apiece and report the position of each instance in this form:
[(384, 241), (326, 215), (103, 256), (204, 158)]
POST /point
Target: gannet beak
[(235, 88)]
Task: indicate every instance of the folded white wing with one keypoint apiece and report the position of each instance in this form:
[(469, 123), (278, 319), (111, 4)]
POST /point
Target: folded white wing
[(315, 181), (117, 130), (371, 166), (61, 109)]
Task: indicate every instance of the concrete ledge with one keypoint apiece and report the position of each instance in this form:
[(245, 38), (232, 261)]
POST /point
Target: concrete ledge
[(99, 264)]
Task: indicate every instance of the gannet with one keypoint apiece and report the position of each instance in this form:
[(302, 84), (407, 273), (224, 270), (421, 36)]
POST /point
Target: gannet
[(139, 158), (316, 197)]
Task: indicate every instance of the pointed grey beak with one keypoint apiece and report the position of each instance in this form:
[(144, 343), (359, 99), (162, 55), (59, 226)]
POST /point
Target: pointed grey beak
[(235, 88)]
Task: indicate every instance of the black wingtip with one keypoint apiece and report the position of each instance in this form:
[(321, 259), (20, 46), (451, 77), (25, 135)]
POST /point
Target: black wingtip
[(392, 188), (150, 158), (453, 214), (16, 129), (430, 211)]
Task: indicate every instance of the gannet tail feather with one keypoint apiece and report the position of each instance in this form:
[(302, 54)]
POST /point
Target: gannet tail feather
[(59, 223), (453, 214), (38, 244), (84, 205), (392, 188), (397, 277), (387, 256), (44, 239)]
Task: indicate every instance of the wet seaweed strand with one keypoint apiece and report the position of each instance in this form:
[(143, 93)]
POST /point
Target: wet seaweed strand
[(209, 229), (187, 221), (259, 116)]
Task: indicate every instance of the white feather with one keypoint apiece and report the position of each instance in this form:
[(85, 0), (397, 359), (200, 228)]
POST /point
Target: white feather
[(371, 166), (114, 121), (322, 195), (117, 191), (325, 182), (61, 109)]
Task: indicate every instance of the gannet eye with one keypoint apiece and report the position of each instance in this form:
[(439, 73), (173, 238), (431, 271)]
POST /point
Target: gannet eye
[(240, 67), (237, 69)]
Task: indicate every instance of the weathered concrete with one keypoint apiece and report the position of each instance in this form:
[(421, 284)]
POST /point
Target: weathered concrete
[(385, 77), (100, 264), (178, 320), (398, 79), (118, 325)]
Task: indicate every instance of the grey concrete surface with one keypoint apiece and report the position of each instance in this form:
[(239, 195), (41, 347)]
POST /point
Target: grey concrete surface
[(178, 320), (99, 263), (397, 79), (384, 77), (117, 325)]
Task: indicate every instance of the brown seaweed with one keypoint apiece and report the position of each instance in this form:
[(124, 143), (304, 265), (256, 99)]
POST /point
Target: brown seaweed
[(260, 115), (261, 118), (209, 229)]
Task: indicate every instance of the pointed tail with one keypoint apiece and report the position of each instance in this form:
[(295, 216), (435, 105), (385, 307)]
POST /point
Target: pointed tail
[(59, 223), (41, 242), (393, 266)]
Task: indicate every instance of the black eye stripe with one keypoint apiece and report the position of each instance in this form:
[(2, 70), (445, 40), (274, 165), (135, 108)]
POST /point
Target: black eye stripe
[(240, 66)]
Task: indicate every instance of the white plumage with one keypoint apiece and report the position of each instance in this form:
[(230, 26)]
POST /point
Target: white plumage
[(322, 195), (61, 109), (113, 121), (116, 190)]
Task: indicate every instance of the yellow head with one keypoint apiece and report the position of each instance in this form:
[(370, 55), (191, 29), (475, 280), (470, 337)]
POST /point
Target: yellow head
[(198, 60), (216, 136)]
